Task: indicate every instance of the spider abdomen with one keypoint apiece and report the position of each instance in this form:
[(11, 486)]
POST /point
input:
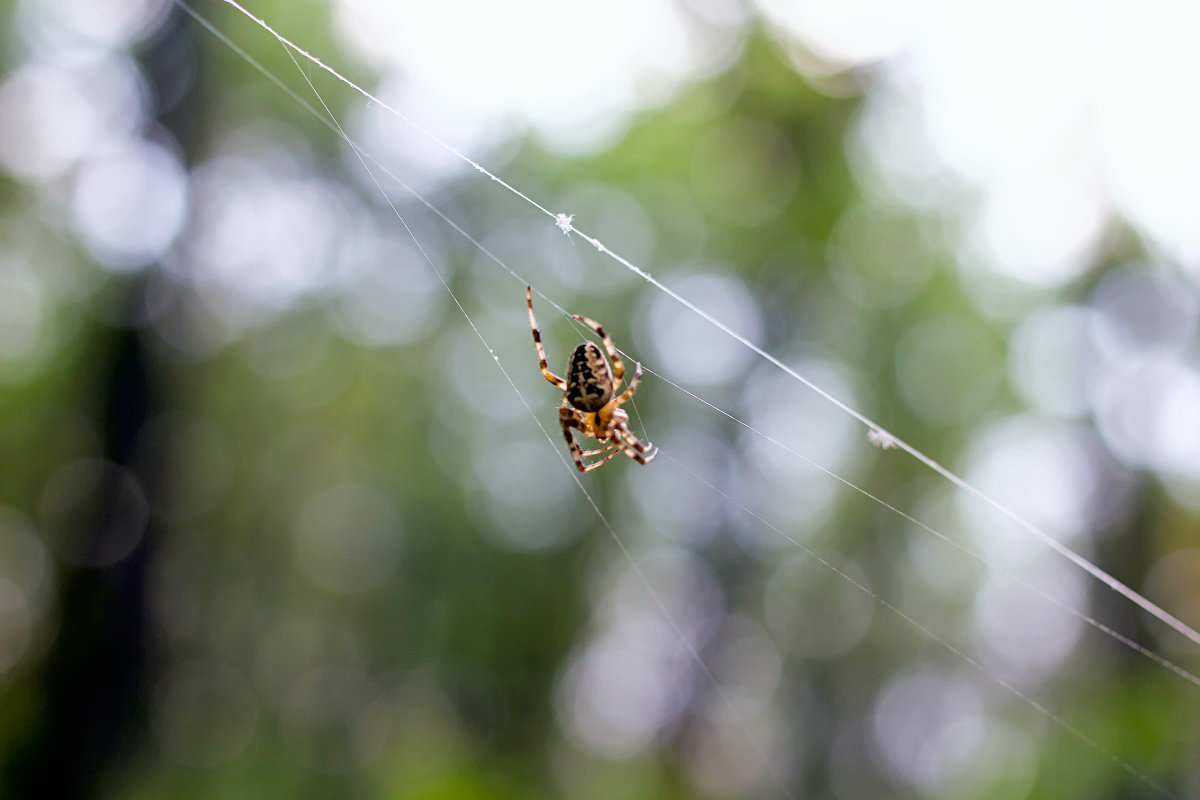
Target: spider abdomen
[(589, 380)]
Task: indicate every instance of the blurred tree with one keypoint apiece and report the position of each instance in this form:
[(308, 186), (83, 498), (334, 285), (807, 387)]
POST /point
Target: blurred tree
[(93, 678)]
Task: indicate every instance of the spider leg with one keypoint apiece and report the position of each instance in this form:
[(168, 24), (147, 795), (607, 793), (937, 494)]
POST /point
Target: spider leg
[(604, 460), (537, 342), (568, 421), (624, 432), (629, 444), (645, 450), (639, 445), (572, 418), (631, 388), (618, 365)]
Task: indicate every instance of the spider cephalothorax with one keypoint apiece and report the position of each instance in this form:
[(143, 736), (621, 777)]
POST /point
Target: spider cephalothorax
[(588, 403)]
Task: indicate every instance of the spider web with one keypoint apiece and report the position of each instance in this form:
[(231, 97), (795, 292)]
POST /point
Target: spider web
[(565, 222), (877, 433)]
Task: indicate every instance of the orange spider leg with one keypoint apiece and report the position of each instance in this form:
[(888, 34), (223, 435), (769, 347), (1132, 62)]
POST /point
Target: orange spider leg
[(537, 342), (602, 461), (631, 388), (632, 447), (574, 418)]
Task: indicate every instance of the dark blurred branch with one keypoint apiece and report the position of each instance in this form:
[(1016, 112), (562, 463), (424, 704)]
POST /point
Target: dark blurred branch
[(96, 677), (93, 675)]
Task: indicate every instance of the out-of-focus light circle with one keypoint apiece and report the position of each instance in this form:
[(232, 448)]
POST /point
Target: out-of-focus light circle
[(1089, 120), (203, 714), (189, 465), (22, 313), (109, 23), (681, 507), (880, 259), (1174, 583), (929, 727), (46, 123), (23, 557), (394, 296), (748, 666), (1024, 636), (718, 12), (664, 632), (889, 147), (552, 263), (336, 719), (176, 586), (25, 587), (404, 151), (1011, 232), (795, 416), (573, 71), (614, 697), (288, 348), (1143, 309), (529, 493), (1051, 359), (845, 33), (686, 588), (745, 172), (732, 756), (1146, 126), (986, 112), (15, 624), (638, 674), (295, 646), (799, 500), (265, 230), (1043, 472), (1050, 474), (610, 215), (690, 348), (946, 368), (797, 436), (935, 566), (1146, 412), (129, 203), (476, 383), (678, 221), (430, 739), (348, 538), (93, 513), (815, 612)]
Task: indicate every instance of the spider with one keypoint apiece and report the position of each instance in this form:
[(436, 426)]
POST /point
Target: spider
[(588, 403)]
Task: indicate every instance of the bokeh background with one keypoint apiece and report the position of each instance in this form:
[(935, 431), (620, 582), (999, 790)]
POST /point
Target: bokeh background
[(274, 523)]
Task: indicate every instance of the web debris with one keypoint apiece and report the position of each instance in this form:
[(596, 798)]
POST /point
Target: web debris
[(881, 438), (564, 222)]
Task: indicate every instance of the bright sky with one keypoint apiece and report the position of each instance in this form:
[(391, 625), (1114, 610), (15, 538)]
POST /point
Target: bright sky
[(1053, 109)]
